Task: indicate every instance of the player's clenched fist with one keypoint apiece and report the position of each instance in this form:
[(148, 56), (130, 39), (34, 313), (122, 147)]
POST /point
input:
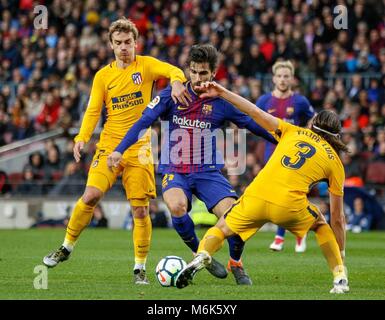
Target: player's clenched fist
[(114, 159)]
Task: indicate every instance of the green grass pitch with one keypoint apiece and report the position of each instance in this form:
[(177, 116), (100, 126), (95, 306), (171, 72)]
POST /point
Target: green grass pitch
[(101, 268)]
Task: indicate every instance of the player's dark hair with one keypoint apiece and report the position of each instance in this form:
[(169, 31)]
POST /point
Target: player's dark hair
[(203, 53), (328, 126)]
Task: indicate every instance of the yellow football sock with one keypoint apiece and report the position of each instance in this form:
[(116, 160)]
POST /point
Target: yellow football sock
[(212, 241), (142, 238), (80, 218), (330, 249)]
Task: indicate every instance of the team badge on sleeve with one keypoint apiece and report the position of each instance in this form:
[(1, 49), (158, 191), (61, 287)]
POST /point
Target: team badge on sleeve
[(154, 102), (137, 78)]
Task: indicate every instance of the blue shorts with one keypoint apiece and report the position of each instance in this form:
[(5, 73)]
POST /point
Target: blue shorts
[(209, 187)]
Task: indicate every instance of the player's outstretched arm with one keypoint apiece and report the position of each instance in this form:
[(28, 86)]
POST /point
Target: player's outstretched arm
[(265, 120)]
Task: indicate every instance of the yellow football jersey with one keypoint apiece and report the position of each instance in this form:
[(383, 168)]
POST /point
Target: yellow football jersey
[(125, 93), (301, 159)]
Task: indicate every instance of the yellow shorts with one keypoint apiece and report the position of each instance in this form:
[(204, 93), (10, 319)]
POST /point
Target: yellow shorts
[(248, 214), (137, 178)]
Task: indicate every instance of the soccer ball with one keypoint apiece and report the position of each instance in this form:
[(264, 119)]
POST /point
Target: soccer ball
[(168, 269)]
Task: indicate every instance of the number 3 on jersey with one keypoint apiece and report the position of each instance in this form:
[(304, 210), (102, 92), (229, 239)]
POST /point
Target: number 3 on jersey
[(306, 151)]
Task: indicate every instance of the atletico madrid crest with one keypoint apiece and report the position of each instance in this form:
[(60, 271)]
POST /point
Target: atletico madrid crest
[(137, 78)]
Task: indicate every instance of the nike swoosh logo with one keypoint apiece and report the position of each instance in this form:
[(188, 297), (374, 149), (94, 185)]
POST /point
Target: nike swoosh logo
[(109, 88), (182, 108), (271, 110)]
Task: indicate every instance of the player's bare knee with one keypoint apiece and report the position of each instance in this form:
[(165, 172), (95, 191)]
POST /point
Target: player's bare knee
[(92, 196), (223, 206), (140, 212), (318, 223), (177, 208), (221, 224)]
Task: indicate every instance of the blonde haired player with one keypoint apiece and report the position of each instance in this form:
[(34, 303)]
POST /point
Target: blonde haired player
[(292, 107), (279, 193), (124, 87)]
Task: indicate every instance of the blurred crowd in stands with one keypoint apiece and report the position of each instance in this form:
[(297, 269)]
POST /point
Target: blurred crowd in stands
[(46, 75)]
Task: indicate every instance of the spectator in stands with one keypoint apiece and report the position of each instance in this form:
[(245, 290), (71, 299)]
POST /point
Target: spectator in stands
[(36, 161), (369, 142), (360, 219), (72, 181), (52, 167), (99, 219), (42, 222), (159, 218), (355, 116), (48, 117), (5, 186), (5, 128), (67, 155), (380, 153), (353, 172), (318, 93), (364, 63), (28, 185), (355, 88)]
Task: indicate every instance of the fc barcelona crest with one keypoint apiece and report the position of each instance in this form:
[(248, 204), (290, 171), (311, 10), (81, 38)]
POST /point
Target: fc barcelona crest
[(290, 111), (207, 109), (137, 78)]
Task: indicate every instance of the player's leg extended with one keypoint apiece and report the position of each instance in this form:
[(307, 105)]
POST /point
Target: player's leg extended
[(311, 218), (245, 218), (177, 195), (80, 218), (236, 245), (219, 196), (99, 182), (81, 215), (177, 202), (211, 243), (139, 183), (331, 251), (213, 239), (141, 234), (100, 179)]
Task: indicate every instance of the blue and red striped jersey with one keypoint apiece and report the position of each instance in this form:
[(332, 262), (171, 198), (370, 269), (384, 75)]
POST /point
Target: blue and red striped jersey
[(295, 109), (190, 142)]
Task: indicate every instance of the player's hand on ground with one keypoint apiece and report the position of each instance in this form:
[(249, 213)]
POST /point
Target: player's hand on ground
[(210, 89), (179, 93), (78, 147), (114, 159)]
